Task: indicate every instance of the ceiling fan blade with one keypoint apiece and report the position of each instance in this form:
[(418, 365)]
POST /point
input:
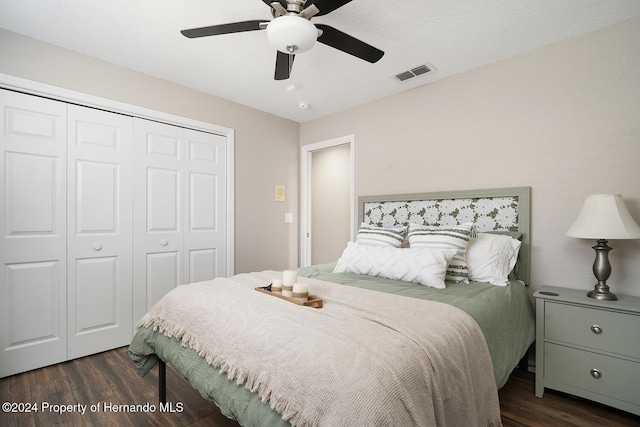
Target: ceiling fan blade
[(215, 30), (326, 6), (348, 44), (284, 64)]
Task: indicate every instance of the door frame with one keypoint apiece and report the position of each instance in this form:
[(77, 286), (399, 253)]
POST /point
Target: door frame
[(306, 153), (84, 99)]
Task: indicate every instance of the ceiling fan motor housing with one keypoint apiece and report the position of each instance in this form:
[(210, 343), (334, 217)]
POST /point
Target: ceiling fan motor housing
[(295, 6)]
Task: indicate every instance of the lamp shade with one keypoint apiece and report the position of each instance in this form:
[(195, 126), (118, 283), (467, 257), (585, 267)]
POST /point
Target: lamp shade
[(604, 216), (292, 34)]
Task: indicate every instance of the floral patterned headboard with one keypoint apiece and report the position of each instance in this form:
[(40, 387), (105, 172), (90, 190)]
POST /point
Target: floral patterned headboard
[(498, 213), (497, 209)]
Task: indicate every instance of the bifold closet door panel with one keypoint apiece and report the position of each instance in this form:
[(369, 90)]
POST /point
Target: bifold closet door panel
[(179, 212), (33, 296), (158, 212), (205, 217), (99, 230)]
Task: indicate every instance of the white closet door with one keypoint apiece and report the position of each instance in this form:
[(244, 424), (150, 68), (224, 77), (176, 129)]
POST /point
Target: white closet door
[(99, 230), (205, 218), (157, 212), (33, 227)]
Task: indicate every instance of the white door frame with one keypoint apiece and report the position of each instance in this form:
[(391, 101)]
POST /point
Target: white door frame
[(306, 152), (66, 95)]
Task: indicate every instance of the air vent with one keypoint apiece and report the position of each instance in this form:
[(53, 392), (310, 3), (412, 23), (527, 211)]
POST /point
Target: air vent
[(415, 72)]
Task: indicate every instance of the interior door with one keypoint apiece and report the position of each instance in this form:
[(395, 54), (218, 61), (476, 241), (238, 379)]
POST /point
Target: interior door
[(205, 219), (157, 212), (33, 296), (99, 230)]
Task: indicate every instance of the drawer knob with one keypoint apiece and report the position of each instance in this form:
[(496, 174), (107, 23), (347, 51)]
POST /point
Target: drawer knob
[(97, 247), (595, 373), (596, 329), (165, 243)]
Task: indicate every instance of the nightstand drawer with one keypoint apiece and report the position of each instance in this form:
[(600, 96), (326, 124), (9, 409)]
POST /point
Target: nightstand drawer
[(609, 331), (618, 378)]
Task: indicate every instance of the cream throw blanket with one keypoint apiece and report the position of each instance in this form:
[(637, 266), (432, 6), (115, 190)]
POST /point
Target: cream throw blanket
[(365, 359)]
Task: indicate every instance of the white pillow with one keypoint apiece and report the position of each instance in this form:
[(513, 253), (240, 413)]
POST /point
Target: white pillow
[(455, 237), (369, 234), (491, 257), (420, 265)]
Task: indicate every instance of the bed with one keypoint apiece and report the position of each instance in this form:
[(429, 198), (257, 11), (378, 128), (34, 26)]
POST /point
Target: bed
[(380, 351)]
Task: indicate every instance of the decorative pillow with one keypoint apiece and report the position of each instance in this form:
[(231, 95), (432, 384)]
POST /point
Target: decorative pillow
[(420, 265), (373, 235), (491, 257), (445, 238), (513, 234)]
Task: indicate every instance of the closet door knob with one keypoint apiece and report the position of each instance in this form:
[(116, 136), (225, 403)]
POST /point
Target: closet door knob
[(596, 329), (164, 242), (595, 373), (97, 247)]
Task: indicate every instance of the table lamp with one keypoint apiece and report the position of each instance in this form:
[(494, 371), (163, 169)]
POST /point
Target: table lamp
[(604, 217)]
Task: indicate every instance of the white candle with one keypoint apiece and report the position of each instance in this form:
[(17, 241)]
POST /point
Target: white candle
[(300, 291), (300, 288), (287, 293), (289, 277), (276, 286)]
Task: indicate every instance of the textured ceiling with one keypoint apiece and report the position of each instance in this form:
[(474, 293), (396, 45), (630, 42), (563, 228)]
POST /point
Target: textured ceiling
[(453, 36)]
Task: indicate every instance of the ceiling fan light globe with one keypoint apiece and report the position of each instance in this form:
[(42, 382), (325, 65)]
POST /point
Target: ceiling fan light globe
[(292, 34)]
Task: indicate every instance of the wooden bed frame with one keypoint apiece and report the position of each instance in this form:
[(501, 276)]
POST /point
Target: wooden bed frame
[(518, 197)]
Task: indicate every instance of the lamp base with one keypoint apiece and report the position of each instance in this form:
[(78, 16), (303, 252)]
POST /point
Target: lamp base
[(602, 293), (602, 271)]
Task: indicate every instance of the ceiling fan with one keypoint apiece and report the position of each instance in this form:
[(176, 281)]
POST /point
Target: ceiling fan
[(291, 32)]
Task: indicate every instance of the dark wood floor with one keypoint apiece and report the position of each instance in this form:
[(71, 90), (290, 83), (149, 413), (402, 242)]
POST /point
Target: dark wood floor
[(109, 378)]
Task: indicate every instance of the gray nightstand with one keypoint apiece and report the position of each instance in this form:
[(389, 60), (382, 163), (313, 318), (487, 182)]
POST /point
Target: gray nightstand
[(588, 348)]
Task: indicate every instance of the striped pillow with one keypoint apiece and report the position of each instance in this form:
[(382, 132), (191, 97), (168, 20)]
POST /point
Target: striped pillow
[(373, 235), (445, 237)]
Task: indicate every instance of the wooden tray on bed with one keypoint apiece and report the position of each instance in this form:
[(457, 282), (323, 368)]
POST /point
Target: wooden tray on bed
[(310, 302)]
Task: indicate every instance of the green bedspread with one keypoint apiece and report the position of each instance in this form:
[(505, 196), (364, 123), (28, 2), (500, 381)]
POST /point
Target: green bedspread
[(505, 315)]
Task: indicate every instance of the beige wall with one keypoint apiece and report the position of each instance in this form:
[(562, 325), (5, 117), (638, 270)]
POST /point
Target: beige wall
[(266, 146), (563, 119)]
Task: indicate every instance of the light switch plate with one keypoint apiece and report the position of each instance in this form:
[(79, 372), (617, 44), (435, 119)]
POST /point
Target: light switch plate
[(280, 193), (288, 217)]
